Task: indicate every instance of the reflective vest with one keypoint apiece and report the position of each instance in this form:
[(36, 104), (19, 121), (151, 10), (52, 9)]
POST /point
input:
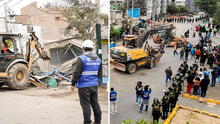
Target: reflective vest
[(156, 107), (89, 76), (5, 50)]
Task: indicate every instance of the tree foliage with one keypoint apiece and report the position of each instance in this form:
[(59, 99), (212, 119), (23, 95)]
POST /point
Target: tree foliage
[(208, 6), (217, 14), (173, 8), (182, 9), (80, 16), (115, 33)]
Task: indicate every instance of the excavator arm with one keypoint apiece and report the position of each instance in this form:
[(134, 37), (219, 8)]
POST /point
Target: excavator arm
[(34, 44), (153, 32)]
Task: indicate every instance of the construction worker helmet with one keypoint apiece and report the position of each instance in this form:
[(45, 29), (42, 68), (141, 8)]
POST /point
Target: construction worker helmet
[(88, 44)]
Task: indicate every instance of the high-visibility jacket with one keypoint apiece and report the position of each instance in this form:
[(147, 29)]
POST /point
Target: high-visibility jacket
[(89, 76), (5, 50)]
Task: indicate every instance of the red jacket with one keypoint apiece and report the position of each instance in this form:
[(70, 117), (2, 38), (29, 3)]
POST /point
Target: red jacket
[(198, 52)]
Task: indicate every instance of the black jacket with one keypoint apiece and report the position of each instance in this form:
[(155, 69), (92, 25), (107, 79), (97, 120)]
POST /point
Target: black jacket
[(204, 83), (139, 90), (190, 79)]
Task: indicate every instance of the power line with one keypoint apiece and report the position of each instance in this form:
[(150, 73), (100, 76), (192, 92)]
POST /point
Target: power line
[(16, 4), (5, 3), (13, 5)]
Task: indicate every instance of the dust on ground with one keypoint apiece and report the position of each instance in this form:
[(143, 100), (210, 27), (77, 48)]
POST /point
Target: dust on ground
[(60, 92), (189, 117)]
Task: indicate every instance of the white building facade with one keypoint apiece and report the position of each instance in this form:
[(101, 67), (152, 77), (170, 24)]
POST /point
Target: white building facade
[(149, 8)]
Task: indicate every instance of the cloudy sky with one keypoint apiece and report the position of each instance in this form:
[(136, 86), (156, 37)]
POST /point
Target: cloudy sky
[(16, 5)]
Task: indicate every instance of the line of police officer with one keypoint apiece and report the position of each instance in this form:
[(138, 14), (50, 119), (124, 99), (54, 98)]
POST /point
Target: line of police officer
[(170, 98)]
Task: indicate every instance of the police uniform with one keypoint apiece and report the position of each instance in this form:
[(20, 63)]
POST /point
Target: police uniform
[(172, 100), (86, 79), (156, 111), (165, 105)]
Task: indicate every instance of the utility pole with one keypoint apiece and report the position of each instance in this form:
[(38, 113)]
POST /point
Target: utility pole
[(132, 14), (6, 17), (98, 36)]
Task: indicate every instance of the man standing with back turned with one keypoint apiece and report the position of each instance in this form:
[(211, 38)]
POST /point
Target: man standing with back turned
[(86, 77)]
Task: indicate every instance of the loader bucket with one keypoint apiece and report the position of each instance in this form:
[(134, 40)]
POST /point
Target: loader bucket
[(117, 65)]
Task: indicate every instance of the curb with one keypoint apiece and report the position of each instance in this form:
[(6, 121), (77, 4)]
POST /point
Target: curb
[(199, 98), (172, 114), (168, 120)]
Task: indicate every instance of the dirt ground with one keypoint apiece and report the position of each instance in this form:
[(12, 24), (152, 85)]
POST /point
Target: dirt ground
[(188, 117), (43, 106)]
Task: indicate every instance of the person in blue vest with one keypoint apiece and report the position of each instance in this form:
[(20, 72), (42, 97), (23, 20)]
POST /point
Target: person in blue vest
[(86, 78), (113, 98), (193, 53), (145, 98)]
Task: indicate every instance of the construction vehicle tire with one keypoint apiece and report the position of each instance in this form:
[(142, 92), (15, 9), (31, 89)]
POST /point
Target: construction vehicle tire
[(18, 77), (1, 83), (131, 68), (150, 64)]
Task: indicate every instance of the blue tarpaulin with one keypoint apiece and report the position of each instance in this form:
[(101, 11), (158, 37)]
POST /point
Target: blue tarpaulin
[(136, 12)]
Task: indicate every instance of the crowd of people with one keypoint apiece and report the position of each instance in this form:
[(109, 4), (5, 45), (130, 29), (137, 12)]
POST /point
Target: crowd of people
[(204, 71), (185, 19), (204, 54), (160, 109)]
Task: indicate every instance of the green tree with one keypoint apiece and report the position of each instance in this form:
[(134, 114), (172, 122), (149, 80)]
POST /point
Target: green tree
[(208, 6), (115, 33), (172, 8), (217, 14), (182, 9), (80, 16)]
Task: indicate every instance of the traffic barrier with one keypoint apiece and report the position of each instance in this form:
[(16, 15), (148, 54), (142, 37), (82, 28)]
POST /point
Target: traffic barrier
[(199, 98)]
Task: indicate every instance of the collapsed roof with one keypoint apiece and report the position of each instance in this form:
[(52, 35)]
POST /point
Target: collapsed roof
[(63, 55)]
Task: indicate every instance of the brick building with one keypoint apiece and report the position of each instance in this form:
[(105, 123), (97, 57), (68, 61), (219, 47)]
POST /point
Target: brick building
[(49, 19)]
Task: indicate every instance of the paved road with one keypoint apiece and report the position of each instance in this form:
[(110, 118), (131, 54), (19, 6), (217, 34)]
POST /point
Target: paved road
[(155, 77)]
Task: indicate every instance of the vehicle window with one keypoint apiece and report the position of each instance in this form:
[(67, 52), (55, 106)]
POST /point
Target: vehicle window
[(7, 45)]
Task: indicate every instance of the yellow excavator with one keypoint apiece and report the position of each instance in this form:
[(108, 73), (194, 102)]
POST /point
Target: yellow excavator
[(15, 67), (136, 52)]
